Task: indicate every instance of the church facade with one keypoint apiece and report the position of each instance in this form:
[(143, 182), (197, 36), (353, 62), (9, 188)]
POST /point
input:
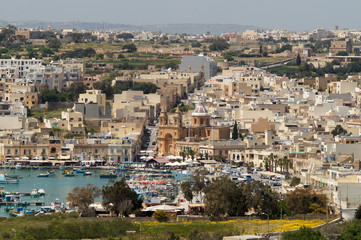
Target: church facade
[(172, 133)]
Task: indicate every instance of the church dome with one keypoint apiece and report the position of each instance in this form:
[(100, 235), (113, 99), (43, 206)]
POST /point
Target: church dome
[(200, 110)]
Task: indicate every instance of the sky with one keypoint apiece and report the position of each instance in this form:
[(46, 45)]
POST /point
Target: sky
[(299, 15)]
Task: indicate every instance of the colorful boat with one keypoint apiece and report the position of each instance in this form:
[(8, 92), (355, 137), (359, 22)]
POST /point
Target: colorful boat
[(69, 174), (109, 175)]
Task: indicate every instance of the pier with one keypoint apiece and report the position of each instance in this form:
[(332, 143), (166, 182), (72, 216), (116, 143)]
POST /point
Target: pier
[(29, 203)]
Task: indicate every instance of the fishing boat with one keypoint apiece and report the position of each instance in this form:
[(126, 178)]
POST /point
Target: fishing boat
[(78, 170), (43, 175), (87, 173), (69, 174), (18, 166), (41, 192), (51, 173), (35, 193), (4, 180), (109, 175)]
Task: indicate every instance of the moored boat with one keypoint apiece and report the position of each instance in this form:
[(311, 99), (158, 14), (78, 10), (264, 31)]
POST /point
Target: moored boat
[(109, 175), (69, 174), (43, 175), (18, 166), (4, 180), (35, 193)]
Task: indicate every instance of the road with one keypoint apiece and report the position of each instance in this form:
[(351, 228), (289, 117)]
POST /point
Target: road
[(150, 137)]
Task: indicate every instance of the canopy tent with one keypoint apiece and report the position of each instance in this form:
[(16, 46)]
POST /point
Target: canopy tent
[(165, 208)]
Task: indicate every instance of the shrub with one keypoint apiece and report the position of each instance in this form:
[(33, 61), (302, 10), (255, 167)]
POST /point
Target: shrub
[(160, 216)]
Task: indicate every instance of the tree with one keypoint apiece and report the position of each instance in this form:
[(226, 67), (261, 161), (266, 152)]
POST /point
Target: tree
[(130, 47), (262, 199), (106, 88), (271, 159), (54, 43), (266, 166), (120, 198), (75, 89), (351, 231), (224, 198), (219, 44), (300, 200), (358, 212), (235, 131), (304, 233), (285, 162), (199, 183), (125, 36), (342, 53), (183, 155), (338, 130), (298, 60), (160, 216), (187, 190), (260, 49), (229, 58), (196, 44), (82, 197), (295, 181), (192, 153)]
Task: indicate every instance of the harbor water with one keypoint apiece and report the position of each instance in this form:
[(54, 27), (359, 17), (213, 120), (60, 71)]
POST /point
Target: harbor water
[(56, 187)]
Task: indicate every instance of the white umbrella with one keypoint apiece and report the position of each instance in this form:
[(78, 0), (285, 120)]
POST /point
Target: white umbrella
[(143, 157)]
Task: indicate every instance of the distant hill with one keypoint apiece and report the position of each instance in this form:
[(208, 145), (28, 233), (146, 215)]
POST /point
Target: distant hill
[(166, 28)]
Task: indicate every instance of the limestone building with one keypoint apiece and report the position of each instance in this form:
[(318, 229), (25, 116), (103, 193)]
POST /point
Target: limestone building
[(172, 132)]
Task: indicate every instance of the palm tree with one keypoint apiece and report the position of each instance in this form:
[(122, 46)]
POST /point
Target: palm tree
[(200, 155), (277, 162), (183, 155), (206, 156), (43, 154), (271, 161), (286, 162), (192, 153)]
